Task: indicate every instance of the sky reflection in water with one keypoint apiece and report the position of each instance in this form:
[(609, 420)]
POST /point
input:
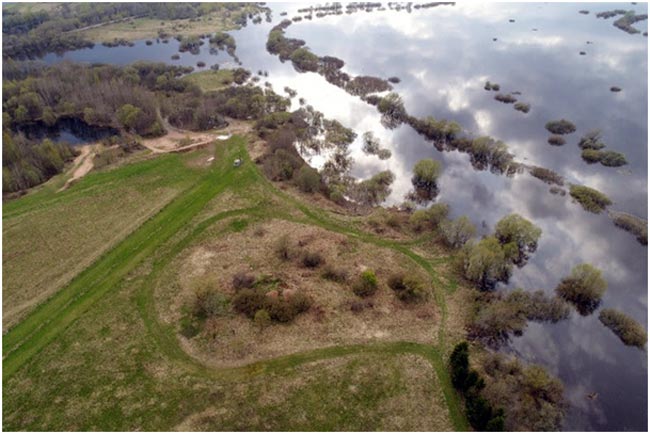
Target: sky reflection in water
[(443, 56)]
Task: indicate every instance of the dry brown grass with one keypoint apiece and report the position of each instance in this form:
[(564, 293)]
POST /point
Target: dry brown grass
[(235, 340), (410, 398)]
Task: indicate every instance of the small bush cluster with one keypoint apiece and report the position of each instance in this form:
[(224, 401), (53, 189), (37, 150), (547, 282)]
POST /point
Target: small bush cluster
[(546, 175), (606, 158), (522, 107), (626, 328), (591, 200), (407, 289), (283, 248), (429, 218), (311, 259), (243, 280), (366, 284), (556, 140), (281, 307), (307, 179), (506, 99), (491, 86), (334, 274), (562, 126), (635, 225)]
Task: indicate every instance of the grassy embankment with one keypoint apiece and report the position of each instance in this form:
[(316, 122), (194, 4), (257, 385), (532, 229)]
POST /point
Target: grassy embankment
[(100, 336)]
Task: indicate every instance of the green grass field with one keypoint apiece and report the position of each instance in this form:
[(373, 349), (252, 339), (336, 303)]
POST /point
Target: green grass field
[(96, 356)]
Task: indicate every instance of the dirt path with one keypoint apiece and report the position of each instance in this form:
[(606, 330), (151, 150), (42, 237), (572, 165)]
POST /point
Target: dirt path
[(174, 140), (81, 165)]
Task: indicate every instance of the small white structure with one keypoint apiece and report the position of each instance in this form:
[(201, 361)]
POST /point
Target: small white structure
[(237, 162)]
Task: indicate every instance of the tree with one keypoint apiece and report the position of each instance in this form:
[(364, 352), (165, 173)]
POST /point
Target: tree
[(457, 232), (375, 190), (459, 364), (584, 288), (485, 263), (521, 233), (128, 115), (425, 177)]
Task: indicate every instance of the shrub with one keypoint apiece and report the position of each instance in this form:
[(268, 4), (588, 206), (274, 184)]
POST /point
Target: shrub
[(248, 301), (407, 289), (307, 179), (429, 218), (632, 224), (262, 319), (506, 99), (200, 64), (311, 259), (615, 89), (626, 328), (457, 232), (283, 248), (560, 127), (522, 107), (285, 309), (612, 159), (591, 155), (591, 140), (243, 280), (591, 200), (281, 165), (209, 303), (334, 274), (366, 284), (584, 288), (556, 140), (546, 175), (419, 220)]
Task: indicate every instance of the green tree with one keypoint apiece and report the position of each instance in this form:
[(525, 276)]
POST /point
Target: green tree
[(485, 263), (425, 178), (457, 232), (128, 115), (584, 288), (521, 233)]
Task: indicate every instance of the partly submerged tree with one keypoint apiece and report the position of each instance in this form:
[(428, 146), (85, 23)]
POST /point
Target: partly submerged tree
[(519, 234), (485, 263), (425, 179), (583, 288)]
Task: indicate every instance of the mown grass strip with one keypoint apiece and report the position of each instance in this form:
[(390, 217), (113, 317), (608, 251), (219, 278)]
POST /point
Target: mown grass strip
[(50, 318)]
